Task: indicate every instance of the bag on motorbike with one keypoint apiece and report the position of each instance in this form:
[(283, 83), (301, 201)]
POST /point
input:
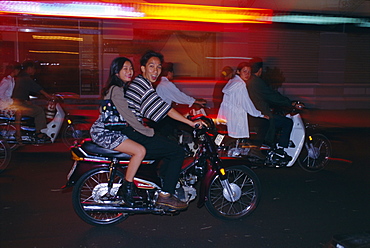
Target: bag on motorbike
[(112, 119)]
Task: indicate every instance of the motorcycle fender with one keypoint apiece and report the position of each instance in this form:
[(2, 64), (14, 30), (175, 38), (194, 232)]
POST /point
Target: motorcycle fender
[(78, 169), (210, 175)]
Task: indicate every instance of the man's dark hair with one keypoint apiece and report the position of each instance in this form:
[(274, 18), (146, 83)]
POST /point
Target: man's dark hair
[(256, 64), (149, 54), (27, 64), (166, 68)]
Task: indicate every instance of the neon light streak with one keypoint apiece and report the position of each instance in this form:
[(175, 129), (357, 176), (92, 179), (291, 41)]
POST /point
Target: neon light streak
[(46, 37), (63, 52)]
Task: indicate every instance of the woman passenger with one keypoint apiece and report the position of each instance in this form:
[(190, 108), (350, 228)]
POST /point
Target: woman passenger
[(121, 72), (236, 105)]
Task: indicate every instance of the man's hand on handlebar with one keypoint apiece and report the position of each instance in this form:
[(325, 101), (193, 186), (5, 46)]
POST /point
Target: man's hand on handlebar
[(198, 124)]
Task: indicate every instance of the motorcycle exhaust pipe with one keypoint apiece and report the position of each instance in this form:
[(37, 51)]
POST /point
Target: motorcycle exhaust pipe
[(117, 209)]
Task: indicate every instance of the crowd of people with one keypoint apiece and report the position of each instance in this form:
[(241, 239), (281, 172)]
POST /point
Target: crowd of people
[(246, 102)]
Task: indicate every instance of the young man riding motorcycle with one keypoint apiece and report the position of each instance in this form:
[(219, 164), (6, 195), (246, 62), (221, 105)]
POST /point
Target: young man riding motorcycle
[(145, 103)]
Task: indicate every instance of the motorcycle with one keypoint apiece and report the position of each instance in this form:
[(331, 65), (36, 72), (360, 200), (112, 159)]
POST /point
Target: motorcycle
[(5, 155), (56, 117), (228, 187), (310, 148)]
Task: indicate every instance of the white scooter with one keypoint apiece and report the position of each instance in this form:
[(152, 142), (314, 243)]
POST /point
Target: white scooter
[(308, 147), (56, 118)]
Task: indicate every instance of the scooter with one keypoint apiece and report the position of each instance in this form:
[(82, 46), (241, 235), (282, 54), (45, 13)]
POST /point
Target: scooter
[(310, 148), (56, 118), (228, 187)]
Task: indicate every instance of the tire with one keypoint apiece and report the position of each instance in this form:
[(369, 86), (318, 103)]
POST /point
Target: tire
[(8, 132), (246, 188), (75, 132), (5, 155), (315, 154), (88, 190)]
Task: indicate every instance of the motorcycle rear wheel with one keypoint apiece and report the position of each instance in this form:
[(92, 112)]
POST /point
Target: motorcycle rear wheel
[(246, 191), (315, 154), (83, 194), (5, 155)]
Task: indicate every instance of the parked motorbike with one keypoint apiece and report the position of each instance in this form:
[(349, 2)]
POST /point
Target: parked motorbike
[(310, 148), (71, 127), (5, 155), (228, 187)]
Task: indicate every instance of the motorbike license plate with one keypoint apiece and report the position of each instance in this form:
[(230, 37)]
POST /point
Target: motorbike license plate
[(219, 139), (72, 170)]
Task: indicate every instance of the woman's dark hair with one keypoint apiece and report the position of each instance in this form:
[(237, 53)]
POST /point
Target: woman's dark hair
[(11, 67), (113, 79), (149, 54), (242, 65)]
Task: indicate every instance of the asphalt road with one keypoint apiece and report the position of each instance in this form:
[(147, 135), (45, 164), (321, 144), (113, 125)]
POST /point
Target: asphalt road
[(297, 209)]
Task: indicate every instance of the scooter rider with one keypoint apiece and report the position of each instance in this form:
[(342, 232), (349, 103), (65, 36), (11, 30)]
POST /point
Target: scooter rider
[(145, 103), (263, 98), (24, 86)]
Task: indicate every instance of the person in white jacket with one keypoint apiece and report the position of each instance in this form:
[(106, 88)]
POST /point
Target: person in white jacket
[(7, 84), (236, 104)]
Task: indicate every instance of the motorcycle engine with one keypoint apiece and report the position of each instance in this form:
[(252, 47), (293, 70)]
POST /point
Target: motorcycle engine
[(100, 191), (186, 193)]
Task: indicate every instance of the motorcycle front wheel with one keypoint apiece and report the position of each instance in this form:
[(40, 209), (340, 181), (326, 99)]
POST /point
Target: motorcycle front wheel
[(75, 132), (241, 201), (91, 189), (315, 153), (5, 155)]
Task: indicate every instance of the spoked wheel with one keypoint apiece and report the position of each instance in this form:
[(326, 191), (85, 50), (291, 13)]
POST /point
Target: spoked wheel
[(92, 189), (8, 132), (75, 132), (236, 198), (315, 153), (5, 155)]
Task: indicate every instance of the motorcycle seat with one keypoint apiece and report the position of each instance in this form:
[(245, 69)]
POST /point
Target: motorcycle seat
[(94, 149)]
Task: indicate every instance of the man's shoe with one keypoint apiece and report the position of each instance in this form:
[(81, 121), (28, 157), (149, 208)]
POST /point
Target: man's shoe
[(280, 154), (169, 200)]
